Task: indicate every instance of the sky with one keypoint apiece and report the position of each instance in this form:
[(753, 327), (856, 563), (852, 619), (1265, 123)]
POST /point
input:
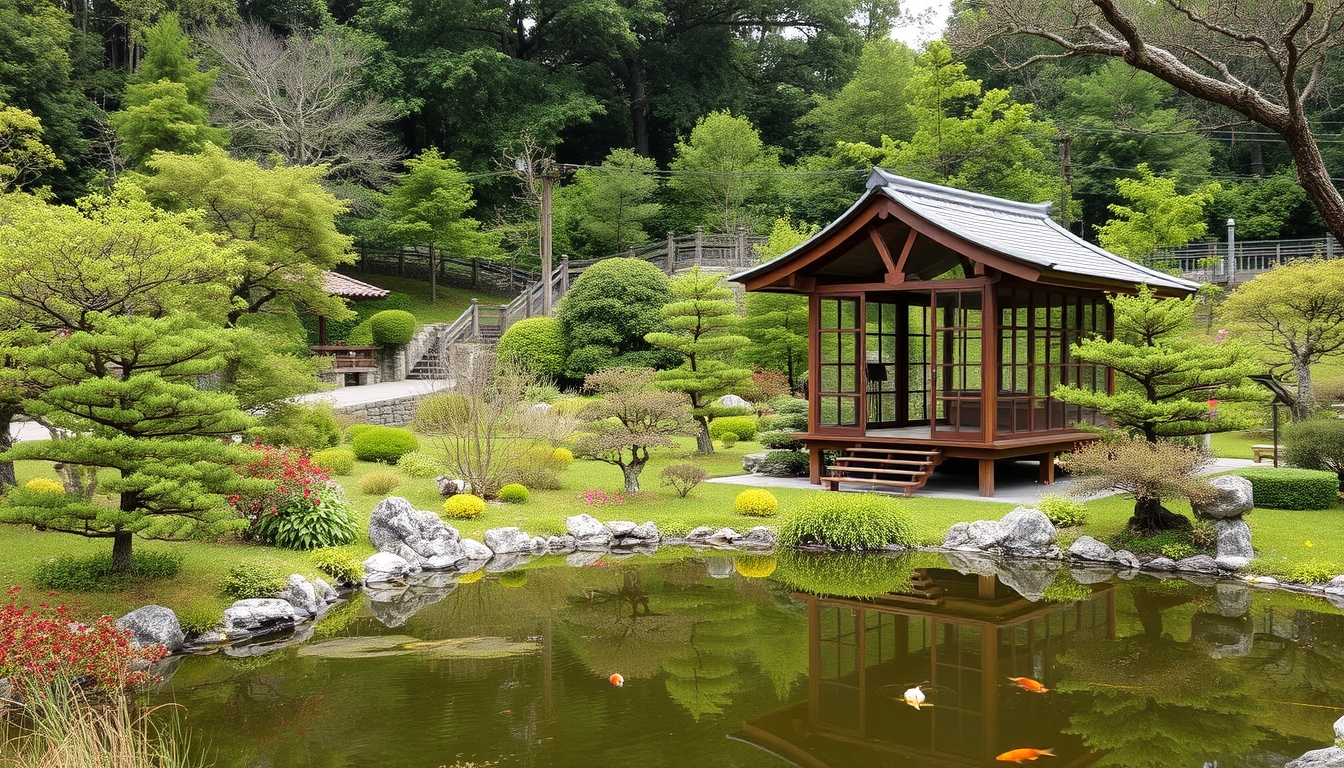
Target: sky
[(933, 14)]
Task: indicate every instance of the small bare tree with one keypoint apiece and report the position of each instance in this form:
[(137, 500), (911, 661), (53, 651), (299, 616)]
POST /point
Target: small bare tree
[(301, 98), (632, 418), (485, 425), (1149, 472)]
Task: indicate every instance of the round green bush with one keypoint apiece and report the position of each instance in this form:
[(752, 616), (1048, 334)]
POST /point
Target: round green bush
[(743, 426), (847, 521), (385, 444), (788, 405), (1316, 444), (779, 440), (513, 579), (537, 343), (379, 483), (562, 457), (786, 464), (464, 506), (298, 425), (336, 461), (756, 502), (513, 493), (392, 327), (340, 564), (609, 310), (249, 580), (783, 422), (1063, 511), (355, 430), (1292, 488), (729, 439), (419, 465)]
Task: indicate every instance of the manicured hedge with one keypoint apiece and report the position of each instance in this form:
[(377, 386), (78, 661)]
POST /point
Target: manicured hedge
[(780, 439), (385, 444), (537, 343), (742, 426), (1293, 488), (392, 327)]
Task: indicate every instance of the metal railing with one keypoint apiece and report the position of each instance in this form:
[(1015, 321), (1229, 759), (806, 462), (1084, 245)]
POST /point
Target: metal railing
[(1209, 262)]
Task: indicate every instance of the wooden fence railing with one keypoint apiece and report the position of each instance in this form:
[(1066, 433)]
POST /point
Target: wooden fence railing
[(1208, 261)]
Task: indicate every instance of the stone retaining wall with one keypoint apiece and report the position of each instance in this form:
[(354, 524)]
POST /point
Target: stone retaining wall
[(388, 413)]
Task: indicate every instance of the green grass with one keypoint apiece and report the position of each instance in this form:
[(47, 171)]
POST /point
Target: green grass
[(452, 300)]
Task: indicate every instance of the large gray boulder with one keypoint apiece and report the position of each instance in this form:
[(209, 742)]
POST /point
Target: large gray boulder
[(753, 463), (325, 592), (588, 532), (699, 534), (1197, 564), (1234, 499), (387, 568), (419, 538), (561, 544), (1088, 548), (1234, 538), (759, 537), (504, 541), (620, 528), (1160, 564), (724, 537), (475, 550), (1024, 532), (153, 625), (645, 531), (258, 616), (734, 401), (1330, 757), (301, 594)]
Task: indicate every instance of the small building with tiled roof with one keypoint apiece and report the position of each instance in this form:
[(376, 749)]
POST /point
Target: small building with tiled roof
[(940, 322)]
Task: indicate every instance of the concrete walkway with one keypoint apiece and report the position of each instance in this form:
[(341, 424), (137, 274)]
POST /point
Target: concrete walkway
[(1014, 482), (377, 393)]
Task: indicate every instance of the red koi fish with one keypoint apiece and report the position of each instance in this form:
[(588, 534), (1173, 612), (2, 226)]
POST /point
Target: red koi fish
[(1020, 755), (1027, 684)]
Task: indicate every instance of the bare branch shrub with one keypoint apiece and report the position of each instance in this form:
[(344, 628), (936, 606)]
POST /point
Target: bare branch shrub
[(682, 477), (631, 419), (1149, 472)]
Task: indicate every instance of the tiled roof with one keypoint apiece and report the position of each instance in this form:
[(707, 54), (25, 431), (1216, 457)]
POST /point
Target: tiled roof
[(348, 287)]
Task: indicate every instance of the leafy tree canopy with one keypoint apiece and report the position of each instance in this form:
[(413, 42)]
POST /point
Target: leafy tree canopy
[(1155, 217)]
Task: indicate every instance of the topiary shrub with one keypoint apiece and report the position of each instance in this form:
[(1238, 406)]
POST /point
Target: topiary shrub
[(1316, 444), (310, 426), (248, 580), (1063, 511), (786, 464), (385, 444), (379, 483), (336, 461), (419, 465), (513, 579), (513, 493), (323, 520), (44, 485), (780, 440), (788, 405), (788, 422), (340, 564), (562, 457), (742, 426), (392, 327), (847, 521), (756, 502), (1292, 488), (682, 477), (94, 573), (728, 439), (608, 311), (538, 344), (355, 430), (464, 506)]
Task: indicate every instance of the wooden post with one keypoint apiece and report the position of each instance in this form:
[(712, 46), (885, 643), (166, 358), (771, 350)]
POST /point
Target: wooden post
[(1047, 474), (401, 263), (699, 245), (475, 318), (503, 316), (564, 274), (433, 277), (671, 265), (321, 331), (987, 477), (814, 465)]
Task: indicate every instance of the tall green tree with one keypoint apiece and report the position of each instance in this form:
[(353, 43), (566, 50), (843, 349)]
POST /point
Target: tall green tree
[(165, 108), (1296, 313), (873, 103), (721, 172), (611, 204), (980, 141), (1166, 379), (1155, 217), (776, 323), (700, 320), (23, 156)]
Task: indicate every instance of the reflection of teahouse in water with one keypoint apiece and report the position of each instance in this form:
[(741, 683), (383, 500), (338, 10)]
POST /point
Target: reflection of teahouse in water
[(963, 636)]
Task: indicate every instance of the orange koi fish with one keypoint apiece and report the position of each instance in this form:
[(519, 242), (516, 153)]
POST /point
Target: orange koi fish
[(1027, 684), (617, 680), (1019, 755)]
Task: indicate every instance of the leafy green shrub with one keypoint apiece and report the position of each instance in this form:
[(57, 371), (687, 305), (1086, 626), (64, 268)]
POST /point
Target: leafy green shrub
[(786, 464), (419, 465), (562, 457), (337, 461), (1302, 571), (1063, 511), (44, 485), (355, 430), (325, 522), (537, 343), (1292, 488), (844, 575), (682, 477), (1176, 540), (728, 439), (743, 426), (1178, 551), (756, 502), (513, 579), (340, 564), (93, 573), (1316, 444), (778, 439), (379, 483), (361, 335), (785, 422), (464, 506), (608, 311), (513, 493), (310, 426), (248, 580), (199, 619), (392, 327), (789, 405), (847, 521), (385, 444), (541, 393), (676, 527)]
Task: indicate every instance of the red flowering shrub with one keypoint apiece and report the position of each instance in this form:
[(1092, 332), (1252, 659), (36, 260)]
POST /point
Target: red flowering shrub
[(40, 645), (298, 507)]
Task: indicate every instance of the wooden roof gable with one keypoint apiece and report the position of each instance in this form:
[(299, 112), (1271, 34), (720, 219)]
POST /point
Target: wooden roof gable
[(897, 217)]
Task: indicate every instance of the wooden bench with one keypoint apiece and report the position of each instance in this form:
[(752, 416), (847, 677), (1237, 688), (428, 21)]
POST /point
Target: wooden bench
[(1261, 451)]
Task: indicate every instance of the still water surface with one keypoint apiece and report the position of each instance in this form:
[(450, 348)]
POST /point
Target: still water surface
[(758, 661)]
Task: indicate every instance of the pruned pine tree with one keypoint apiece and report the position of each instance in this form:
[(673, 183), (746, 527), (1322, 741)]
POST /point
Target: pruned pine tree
[(701, 319)]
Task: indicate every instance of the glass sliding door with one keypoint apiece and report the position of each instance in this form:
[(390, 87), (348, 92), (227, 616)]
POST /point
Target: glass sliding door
[(840, 354), (958, 325)]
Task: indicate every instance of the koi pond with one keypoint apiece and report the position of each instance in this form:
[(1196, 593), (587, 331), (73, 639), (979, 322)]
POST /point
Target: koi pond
[(795, 659)]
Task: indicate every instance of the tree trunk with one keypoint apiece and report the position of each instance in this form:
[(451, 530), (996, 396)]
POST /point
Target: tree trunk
[(6, 442), (703, 442), (1315, 178), (1151, 517), (121, 552), (631, 472), (1305, 404), (635, 81)]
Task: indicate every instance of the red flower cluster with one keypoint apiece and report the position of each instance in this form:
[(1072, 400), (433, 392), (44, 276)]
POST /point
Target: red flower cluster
[(297, 483), (596, 498), (44, 643)]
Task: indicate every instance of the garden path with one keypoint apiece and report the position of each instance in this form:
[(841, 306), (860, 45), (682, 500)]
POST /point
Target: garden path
[(377, 393)]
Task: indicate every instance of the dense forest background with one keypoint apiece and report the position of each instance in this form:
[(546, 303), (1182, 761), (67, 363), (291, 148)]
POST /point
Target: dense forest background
[(724, 114)]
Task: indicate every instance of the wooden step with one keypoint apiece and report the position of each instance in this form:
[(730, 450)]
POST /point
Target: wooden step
[(878, 470), (909, 486), (865, 459), (895, 451)]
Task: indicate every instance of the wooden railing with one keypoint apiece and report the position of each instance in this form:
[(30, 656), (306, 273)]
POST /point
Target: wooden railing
[(345, 359), (1208, 261)]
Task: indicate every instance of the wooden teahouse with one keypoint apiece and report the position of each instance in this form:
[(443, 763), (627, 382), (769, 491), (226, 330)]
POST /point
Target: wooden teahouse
[(940, 323)]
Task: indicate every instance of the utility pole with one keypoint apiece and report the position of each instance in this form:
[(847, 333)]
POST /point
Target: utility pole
[(1066, 170), (550, 173)]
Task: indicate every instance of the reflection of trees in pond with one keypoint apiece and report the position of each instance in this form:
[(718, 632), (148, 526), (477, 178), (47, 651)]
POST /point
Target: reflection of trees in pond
[(1154, 702)]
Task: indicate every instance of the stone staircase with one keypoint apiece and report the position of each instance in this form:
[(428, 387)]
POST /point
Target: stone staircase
[(904, 468)]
